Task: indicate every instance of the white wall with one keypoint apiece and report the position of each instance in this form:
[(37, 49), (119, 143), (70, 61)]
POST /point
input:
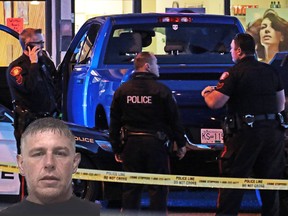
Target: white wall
[(212, 7), (149, 6), (85, 9), (98, 7), (127, 6)]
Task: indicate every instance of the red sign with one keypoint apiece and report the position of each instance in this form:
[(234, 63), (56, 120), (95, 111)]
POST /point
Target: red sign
[(15, 24)]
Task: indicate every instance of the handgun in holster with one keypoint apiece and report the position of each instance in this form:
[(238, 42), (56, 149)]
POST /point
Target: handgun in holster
[(124, 136), (23, 117), (229, 125)]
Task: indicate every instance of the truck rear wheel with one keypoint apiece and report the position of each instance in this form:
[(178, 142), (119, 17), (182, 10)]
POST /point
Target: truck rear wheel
[(89, 190)]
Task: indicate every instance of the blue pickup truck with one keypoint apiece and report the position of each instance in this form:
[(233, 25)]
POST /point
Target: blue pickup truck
[(192, 51)]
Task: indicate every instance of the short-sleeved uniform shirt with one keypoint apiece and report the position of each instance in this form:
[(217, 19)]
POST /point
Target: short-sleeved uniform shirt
[(251, 86)]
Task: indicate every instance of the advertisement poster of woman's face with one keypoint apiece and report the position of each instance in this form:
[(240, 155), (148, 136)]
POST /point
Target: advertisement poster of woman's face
[(269, 28)]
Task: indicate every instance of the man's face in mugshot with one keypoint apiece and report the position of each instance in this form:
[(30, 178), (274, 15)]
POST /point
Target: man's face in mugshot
[(48, 161)]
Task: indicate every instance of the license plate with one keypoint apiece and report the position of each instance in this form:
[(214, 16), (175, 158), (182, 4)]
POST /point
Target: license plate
[(211, 136)]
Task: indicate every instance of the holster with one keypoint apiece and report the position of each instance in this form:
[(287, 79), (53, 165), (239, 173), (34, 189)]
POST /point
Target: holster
[(232, 124), (229, 125), (160, 135), (124, 136), (22, 118), (169, 144)]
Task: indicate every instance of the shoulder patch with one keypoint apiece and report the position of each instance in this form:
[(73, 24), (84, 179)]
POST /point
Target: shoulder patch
[(16, 71), (224, 75)]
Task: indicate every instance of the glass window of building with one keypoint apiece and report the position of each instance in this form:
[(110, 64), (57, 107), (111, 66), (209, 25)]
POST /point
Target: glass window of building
[(23, 14), (18, 15)]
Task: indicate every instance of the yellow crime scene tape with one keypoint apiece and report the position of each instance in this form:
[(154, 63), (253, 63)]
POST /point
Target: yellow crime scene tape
[(169, 180)]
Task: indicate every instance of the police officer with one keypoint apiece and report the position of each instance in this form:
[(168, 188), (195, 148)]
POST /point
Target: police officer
[(253, 137), (30, 80), (146, 112)]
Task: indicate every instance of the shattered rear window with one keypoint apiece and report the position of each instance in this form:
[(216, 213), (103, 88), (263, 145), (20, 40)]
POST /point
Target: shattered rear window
[(181, 43)]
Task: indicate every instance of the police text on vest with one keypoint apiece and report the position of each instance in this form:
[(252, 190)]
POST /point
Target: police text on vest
[(139, 99)]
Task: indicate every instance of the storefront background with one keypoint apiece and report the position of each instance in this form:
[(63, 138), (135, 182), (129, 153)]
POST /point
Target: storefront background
[(255, 3), (33, 14), (85, 9), (73, 13), (18, 15)]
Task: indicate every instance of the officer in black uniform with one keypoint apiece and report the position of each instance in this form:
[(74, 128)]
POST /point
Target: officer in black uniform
[(146, 113), (253, 136), (30, 79)]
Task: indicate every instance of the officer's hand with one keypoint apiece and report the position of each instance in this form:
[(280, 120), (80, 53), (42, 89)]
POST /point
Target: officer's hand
[(181, 152), (118, 158), (33, 54), (207, 90)]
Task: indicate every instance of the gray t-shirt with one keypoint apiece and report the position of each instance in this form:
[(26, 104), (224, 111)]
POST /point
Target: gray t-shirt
[(72, 207)]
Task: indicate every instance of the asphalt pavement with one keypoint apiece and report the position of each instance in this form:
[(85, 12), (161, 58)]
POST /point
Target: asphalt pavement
[(198, 202)]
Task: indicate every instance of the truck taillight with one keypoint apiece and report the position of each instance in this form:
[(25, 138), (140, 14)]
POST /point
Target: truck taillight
[(175, 19)]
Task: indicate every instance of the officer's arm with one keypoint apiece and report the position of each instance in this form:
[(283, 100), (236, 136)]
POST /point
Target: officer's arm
[(280, 100), (213, 98)]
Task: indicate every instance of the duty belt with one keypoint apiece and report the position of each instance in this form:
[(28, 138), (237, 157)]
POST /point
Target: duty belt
[(140, 133), (159, 135), (269, 116), (250, 119)]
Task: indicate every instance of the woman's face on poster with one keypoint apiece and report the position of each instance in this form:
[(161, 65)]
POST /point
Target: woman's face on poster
[(268, 35)]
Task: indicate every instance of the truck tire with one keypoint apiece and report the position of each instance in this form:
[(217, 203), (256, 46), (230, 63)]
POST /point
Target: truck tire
[(89, 190)]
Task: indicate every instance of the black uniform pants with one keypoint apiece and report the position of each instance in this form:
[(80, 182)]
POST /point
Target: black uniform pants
[(258, 151), (145, 154)]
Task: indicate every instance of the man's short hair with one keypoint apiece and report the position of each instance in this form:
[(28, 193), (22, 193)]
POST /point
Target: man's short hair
[(48, 124), (142, 58), (28, 33), (245, 42)]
